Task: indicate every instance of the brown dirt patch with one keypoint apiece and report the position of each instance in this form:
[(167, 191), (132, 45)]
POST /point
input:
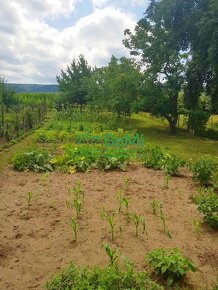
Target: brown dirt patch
[(36, 243)]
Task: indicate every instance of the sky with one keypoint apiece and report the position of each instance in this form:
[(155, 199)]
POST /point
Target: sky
[(38, 38)]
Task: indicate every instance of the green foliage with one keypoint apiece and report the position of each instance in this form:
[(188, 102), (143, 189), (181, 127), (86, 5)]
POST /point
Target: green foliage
[(207, 203), (152, 158), (33, 160), (71, 82), (203, 169), (107, 278), (197, 120), (109, 216), (171, 164), (170, 264)]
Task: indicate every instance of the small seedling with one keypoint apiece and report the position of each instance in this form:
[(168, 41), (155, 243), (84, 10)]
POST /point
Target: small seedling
[(111, 220), (125, 202), (165, 228), (78, 205), (103, 213), (119, 198), (44, 178), (74, 227), (126, 183), (197, 227), (166, 181), (112, 254), (78, 190), (155, 205), (137, 220), (29, 196)]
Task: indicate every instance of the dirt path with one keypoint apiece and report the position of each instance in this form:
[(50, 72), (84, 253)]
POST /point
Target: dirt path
[(36, 243)]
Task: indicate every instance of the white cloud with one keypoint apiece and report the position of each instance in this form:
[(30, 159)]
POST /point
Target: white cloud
[(33, 51)]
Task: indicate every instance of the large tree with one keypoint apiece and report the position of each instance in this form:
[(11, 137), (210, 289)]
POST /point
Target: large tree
[(71, 81), (116, 86), (156, 41)]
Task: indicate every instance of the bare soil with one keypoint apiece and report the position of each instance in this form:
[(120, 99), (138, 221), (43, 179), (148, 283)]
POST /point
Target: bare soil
[(36, 242)]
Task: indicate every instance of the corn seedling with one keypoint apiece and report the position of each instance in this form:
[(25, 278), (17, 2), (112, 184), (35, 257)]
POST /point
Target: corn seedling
[(78, 190), (137, 220), (111, 220), (165, 228), (78, 205), (119, 198), (44, 178), (166, 181), (126, 183), (103, 213), (29, 196), (125, 202), (112, 254), (155, 205), (74, 227), (197, 227)]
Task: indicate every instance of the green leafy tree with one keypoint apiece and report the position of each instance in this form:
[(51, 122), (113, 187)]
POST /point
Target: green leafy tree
[(117, 86), (71, 82)]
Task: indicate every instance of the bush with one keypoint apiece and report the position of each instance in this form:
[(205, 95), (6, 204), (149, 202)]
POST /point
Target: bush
[(207, 202), (108, 278), (171, 164), (152, 158), (203, 169), (34, 160), (197, 120), (170, 264)]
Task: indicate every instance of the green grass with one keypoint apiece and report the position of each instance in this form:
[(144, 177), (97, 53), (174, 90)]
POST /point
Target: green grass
[(186, 145)]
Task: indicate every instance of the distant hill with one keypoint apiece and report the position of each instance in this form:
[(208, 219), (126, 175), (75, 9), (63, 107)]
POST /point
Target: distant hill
[(33, 88)]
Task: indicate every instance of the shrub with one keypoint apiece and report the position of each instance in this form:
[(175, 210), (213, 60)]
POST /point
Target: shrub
[(207, 202), (170, 264), (108, 278), (33, 160), (171, 164), (197, 120), (152, 158), (203, 169)]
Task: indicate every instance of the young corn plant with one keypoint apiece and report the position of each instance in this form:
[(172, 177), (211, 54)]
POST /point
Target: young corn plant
[(111, 220), (74, 227), (155, 206), (197, 227), (29, 196), (138, 220), (112, 254), (165, 228), (78, 205), (125, 183), (119, 198), (125, 202), (78, 190)]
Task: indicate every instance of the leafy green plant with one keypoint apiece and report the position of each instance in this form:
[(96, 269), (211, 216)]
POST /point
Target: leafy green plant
[(207, 203), (29, 196), (152, 158), (170, 264), (155, 205), (203, 169), (171, 164), (113, 254), (165, 228), (138, 220), (34, 160), (74, 227), (107, 278)]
